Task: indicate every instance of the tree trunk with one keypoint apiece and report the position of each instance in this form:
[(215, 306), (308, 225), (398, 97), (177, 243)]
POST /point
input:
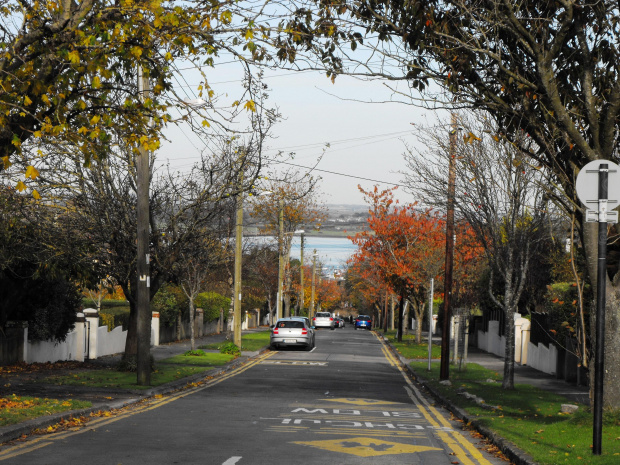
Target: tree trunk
[(179, 323), (611, 380), (509, 361), (401, 311), (191, 325), (385, 314), (419, 316)]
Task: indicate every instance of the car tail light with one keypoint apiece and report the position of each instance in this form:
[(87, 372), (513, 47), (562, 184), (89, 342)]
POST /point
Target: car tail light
[(304, 332), (313, 318), (275, 330), (331, 319)]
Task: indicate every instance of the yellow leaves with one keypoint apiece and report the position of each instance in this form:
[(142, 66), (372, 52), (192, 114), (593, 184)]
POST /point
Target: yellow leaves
[(73, 56), (96, 82), (81, 105), (470, 138), (6, 162), (250, 106), (205, 124), (32, 172), (249, 34), (226, 17), (136, 51), (21, 187), (36, 195), (95, 119), (168, 56), (27, 101)]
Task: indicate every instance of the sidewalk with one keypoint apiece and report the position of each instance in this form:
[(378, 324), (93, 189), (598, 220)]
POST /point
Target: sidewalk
[(25, 384)]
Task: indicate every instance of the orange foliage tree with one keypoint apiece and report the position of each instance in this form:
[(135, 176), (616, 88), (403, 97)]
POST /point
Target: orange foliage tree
[(404, 248)]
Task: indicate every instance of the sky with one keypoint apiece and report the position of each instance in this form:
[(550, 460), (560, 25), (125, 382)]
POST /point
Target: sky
[(366, 140)]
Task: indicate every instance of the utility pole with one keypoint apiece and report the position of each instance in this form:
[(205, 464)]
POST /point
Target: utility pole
[(444, 372), (238, 258), (301, 277), (143, 329), (280, 258)]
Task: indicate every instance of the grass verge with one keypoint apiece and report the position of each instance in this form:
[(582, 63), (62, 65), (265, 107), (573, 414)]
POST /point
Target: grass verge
[(250, 342), (408, 348), (167, 370), (15, 409), (528, 417)]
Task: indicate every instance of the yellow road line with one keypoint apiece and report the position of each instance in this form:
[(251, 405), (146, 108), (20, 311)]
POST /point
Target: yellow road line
[(451, 438)]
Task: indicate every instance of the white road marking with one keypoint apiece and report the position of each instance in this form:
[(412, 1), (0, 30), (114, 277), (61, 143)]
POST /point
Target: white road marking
[(232, 461)]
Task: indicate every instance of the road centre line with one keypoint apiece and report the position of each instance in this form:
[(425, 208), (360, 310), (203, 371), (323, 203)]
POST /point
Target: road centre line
[(435, 418), (144, 406), (232, 461)]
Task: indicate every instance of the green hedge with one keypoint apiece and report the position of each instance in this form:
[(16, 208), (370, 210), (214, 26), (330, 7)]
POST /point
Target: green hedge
[(211, 303)]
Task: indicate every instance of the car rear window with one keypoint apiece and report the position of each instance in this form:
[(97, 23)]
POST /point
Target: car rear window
[(363, 317), (323, 314), (290, 324)]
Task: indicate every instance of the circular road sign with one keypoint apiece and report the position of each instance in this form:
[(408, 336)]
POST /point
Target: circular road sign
[(587, 183)]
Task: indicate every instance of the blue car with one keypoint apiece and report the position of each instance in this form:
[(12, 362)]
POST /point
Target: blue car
[(363, 322)]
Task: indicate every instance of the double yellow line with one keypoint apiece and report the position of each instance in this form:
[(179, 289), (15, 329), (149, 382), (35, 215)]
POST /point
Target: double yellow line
[(144, 406), (462, 449)]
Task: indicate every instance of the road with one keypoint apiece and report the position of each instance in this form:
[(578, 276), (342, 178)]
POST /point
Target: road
[(345, 402)]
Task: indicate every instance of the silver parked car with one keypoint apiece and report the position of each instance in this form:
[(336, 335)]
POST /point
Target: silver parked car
[(292, 332), (323, 320)]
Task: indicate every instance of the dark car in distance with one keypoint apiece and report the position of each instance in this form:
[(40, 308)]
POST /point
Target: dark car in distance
[(363, 322)]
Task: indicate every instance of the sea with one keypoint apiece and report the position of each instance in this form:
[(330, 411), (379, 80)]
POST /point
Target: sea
[(332, 252)]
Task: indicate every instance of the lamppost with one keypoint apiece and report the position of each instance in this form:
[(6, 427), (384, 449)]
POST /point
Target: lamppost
[(301, 274), (311, 313)]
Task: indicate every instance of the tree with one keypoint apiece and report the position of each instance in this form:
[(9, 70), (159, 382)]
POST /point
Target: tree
[(293, 197), (68, 70), (502, 198), (192, 269), (548, 70), (38, 269), (402, 248), (261, 268)]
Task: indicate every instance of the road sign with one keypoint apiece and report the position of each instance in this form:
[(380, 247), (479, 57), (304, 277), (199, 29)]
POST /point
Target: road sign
[(588, 191)]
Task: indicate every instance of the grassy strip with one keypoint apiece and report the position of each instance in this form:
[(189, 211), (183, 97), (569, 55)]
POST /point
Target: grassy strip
[(408, 348), (250, 342), (529, 417), (15, 409), (170, 369)]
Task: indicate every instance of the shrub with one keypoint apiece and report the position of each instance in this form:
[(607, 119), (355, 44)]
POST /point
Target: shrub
[(106, 319), (170, 301), (230, 348), (211, 303), (561, 303)]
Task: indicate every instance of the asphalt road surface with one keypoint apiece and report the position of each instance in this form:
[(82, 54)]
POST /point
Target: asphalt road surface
[(345, 402)]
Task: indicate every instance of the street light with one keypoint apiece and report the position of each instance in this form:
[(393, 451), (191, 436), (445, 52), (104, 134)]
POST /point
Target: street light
[(311, 313)]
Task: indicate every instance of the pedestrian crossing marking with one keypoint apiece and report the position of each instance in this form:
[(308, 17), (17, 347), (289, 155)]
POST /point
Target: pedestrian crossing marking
[(366, 447), (364, 402)]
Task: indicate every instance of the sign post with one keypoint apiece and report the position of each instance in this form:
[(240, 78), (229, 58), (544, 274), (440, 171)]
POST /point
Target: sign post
[(605, 193)]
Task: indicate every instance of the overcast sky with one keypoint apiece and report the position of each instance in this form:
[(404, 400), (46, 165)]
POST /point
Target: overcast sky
[(366, 140)]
